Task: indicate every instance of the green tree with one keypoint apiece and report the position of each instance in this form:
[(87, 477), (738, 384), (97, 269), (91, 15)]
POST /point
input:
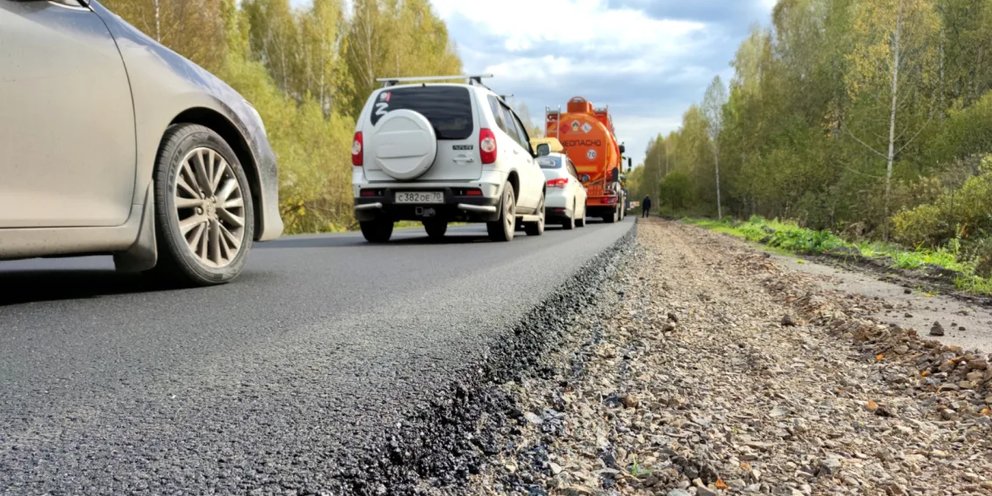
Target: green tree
[(274, 40), (193, 28), (322, 33), (388, 38), (894, 56)]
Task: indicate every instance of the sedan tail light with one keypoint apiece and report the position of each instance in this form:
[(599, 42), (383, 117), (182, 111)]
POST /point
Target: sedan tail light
[(487, 146), (559, 182), (358, 150)]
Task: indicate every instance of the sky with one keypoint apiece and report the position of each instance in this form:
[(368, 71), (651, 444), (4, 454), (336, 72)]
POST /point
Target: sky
[(648, 60)]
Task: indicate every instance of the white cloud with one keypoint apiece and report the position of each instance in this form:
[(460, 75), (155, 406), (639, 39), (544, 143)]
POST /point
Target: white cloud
[(647, 61), (584, 24)]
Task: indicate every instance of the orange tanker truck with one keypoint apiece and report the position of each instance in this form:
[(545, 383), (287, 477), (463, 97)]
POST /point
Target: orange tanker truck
[(590, 142)]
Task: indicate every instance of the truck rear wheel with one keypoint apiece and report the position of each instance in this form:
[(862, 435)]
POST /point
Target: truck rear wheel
[(610, 219)]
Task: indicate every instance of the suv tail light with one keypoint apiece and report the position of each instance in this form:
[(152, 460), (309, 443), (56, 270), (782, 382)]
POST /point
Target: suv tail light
[(358, 150), (487, 146), (560, 182)]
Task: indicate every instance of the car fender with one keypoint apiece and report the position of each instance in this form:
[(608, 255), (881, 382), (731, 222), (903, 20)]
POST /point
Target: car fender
[(164, 87)]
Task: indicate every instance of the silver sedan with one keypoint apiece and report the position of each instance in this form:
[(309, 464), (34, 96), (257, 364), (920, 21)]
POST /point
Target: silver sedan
[(112, 143), (566, 196)]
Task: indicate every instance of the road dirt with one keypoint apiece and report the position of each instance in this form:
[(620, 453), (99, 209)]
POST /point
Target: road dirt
[(716, 368), (967, 322)]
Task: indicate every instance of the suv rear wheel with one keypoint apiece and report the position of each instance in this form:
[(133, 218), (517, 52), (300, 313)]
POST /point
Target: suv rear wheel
[(503, 228), (377, 231), (436, 229)]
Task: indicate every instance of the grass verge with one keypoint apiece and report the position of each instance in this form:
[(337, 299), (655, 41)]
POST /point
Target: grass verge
[(789, 237)]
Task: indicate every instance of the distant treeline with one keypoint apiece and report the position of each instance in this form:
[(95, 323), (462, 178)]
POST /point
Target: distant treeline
[(869, 117), (308, 72)]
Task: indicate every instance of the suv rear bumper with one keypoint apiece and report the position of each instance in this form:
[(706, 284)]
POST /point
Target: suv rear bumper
[(458, 206)]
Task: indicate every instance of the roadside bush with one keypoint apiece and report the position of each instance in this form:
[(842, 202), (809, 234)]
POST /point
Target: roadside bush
[(980, 252), (965, 214), (923, 225), (965, 133)]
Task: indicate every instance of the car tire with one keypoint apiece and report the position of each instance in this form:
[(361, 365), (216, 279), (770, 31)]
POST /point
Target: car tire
[(204, 215), (537, 228), (581, 220), (436, 229), (504, 228), (377, 231), (569, 223)]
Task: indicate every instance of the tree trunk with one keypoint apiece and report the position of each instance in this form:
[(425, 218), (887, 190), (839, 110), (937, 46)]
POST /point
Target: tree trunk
[(716, 161), (158, 22), (943, 82), (892, 119)]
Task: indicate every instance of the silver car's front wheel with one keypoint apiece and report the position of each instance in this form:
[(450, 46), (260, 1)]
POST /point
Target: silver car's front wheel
[(203, 207), (210, 207)]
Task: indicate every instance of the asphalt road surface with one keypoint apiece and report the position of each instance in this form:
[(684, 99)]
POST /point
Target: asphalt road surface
[(111, 385)]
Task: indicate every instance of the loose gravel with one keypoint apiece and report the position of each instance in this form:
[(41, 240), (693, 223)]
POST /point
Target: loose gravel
[(705, 367)]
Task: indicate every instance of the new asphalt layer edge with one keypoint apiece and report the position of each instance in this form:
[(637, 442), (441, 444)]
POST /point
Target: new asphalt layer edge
[(442, 445)]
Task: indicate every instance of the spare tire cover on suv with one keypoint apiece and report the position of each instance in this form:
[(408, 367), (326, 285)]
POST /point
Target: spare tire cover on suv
[(404, 144)]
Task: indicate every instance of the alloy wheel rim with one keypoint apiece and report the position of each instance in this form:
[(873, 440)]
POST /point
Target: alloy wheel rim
[(210, 207)]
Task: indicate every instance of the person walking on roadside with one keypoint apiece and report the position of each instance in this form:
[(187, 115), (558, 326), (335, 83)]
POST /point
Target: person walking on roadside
[(646, 207)]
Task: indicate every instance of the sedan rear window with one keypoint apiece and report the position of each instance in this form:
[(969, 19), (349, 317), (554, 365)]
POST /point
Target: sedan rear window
[(550, 162), (448, 108)]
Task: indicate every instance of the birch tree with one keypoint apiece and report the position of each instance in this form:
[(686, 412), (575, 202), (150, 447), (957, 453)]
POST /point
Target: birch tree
[(713, 103), (322, 32), (393, 38), (891, 78)]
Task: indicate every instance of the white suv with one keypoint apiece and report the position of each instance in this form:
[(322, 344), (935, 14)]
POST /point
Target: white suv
[(439, 153)]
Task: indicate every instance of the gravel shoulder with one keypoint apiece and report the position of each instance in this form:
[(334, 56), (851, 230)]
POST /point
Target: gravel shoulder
[(707, 367), (965, 322)]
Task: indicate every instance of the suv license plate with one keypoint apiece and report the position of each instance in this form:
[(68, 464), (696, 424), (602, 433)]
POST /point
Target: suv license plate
[(419, 197)]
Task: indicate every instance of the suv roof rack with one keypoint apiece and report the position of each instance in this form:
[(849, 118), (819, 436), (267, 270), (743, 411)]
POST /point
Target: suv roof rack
[(472, 79)]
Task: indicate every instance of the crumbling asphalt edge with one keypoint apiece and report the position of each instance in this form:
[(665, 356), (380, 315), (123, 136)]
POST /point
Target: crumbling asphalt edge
[(436, 450)]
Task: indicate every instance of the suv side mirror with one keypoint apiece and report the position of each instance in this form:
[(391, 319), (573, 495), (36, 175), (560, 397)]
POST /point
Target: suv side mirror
[(543, 150), (584, 178)]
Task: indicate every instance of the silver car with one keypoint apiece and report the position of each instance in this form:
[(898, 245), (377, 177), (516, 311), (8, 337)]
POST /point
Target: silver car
[(566, 197), (112, 143)]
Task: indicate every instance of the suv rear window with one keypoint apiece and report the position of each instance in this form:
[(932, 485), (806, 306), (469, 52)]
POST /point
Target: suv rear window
[(550, 162), (448, 108)]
